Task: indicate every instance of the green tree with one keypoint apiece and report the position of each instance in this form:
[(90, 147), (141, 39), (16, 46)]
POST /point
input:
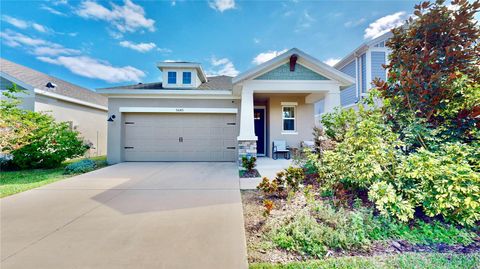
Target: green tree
[(429, 54)]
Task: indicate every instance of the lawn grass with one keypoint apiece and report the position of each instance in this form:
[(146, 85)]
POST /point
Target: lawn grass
[(23, 180), (401, 261)]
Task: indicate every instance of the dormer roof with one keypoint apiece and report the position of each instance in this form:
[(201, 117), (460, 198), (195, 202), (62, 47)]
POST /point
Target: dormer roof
[(193, 65)]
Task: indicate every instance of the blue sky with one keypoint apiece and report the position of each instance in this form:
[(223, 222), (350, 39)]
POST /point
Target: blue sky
[(105, 43)]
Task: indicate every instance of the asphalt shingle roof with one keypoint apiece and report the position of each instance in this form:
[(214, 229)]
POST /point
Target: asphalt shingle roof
[(39, 81), (213, 83)]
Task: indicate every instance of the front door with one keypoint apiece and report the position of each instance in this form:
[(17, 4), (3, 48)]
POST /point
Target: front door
[(259, 115)]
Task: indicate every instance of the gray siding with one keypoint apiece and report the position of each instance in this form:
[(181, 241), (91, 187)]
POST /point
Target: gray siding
[(348, 96), (27, 97), (283, 73), (378, 59), (364, 72)]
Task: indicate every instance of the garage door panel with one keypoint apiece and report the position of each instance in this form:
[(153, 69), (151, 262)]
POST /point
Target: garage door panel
[(156, 137)]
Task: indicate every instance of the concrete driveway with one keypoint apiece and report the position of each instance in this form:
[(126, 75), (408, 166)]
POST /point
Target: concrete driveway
[(130, 215)]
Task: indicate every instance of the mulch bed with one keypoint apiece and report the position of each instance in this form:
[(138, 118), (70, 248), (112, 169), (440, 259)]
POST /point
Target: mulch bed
[(249, 174), (254, 228)]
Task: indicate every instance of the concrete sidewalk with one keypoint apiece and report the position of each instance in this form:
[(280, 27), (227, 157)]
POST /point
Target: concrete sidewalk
[(130, 215)]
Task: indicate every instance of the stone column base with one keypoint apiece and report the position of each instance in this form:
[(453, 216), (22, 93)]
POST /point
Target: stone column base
[(246, 147)]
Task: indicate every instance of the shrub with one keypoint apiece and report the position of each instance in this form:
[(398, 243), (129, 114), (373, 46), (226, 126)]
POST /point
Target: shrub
[(34, 139), (80, 167), (269, 206), (290, 179), (249, 162), (366, 154)]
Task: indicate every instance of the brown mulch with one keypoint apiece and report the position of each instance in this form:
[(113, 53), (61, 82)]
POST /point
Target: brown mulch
[(249, 174), (259, 250)]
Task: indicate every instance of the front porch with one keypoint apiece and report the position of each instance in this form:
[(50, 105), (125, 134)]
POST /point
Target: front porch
[(278, 97)]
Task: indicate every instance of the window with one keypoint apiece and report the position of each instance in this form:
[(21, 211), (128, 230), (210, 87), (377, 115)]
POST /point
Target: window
[(172, 77), (288, 117), (187, 78)]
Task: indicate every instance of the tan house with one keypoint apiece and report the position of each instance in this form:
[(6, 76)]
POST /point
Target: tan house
[(84, 110), (192, 117)]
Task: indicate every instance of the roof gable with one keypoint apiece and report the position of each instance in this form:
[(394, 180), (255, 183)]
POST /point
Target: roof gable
[(283, 73), (307, 61)]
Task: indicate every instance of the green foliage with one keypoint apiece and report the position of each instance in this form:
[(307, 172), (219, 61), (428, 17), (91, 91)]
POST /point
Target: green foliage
[(420, 232), (338, 122), (401, 261), (80, 167), (443, 182), (34, 139), (430, 55), (318, 227), (366, 154), (249, 162), (290, 179)]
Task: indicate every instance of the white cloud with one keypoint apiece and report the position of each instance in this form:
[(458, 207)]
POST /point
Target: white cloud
[(265, 56), (332, 61), (14, 39), (36, 46), (384, 24), (141, 47), (354, 23), (15, 22), (222, 5), (222, 66), (127, 18), (256, 40), (71, 59), (22, 24), (52, 10), (93, 68)]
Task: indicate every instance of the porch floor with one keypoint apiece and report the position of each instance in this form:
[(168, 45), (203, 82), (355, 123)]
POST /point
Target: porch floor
[(267, 167)]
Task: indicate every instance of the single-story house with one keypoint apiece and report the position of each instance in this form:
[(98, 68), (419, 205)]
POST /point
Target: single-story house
[(83, 109), (191, 117)]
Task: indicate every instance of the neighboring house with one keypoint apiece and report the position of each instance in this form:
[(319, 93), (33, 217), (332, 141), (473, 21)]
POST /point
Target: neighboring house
[(192, 117), (84, 110), (364, 64)]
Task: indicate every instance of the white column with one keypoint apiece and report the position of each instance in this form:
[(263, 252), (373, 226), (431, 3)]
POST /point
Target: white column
[(332, 100), (247, 126)]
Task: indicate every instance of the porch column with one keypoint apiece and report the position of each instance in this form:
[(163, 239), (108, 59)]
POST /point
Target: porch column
[(247, 140), (332, 100)]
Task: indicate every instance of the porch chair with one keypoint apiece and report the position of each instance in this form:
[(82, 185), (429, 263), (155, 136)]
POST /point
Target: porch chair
[(307, 144), (280, 146)]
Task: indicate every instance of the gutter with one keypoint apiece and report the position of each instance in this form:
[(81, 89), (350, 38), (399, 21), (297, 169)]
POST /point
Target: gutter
[(69, 99)]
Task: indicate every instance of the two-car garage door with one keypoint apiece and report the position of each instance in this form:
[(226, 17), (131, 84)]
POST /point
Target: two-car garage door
[(179, 137)]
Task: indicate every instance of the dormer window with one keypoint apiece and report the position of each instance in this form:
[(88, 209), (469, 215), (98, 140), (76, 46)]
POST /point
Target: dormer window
[(172, 77), (187, 78)]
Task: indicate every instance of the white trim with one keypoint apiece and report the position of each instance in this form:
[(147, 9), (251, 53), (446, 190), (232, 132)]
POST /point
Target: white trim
[(179, 92), (368, 66), (350, 105), (289, 103), (197, 66), (289, 133), (304, 59), (206, 110), (51, 94), (360, 49), (294, 119), (196, 97), (69, 99), (16, 81)]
